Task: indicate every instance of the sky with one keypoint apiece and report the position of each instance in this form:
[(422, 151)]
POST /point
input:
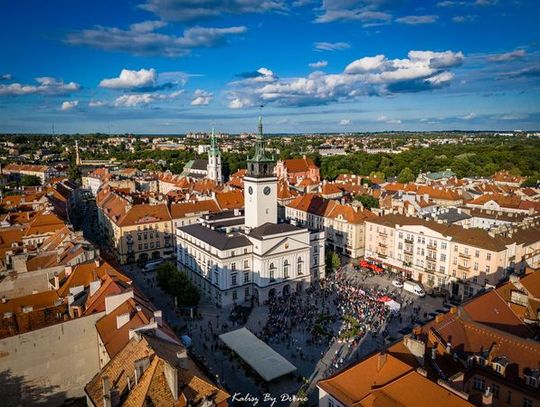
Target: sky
[(174, 66)]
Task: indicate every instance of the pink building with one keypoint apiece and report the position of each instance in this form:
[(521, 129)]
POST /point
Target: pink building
[(297, 168)]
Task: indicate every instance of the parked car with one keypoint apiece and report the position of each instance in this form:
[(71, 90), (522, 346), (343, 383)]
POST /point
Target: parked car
[(396, 282)]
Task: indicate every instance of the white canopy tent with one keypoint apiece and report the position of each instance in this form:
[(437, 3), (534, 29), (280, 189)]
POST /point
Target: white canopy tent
[(262, 358)]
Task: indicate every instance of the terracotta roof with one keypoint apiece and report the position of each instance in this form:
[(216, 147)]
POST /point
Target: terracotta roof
[(475, 338), (298, 165), (25, 167), (506, 201), (492, 310), (180, 210), (531, 282), (37, 301), (153, 387), (330, 189), (319, 206), (504, 176), (145, 213), (388, 384), (44, 223), (230, 199), (83, 274), (284, 192)]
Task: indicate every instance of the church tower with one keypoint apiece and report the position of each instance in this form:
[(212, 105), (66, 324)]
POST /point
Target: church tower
[(260, 186), (214, 160)]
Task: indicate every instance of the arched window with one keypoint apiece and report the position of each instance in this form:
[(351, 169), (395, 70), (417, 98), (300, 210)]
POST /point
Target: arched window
[(272, 272), (286, 269)]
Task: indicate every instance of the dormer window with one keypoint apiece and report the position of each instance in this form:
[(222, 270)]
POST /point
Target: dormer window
[(499, 364), (532, 377)]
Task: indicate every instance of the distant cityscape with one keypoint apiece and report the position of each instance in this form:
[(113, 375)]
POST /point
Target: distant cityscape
[(221, 270)]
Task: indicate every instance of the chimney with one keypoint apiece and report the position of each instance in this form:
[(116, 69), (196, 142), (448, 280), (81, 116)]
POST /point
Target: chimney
[(97, 262), (381, 360), (453, 310), (487, 398), (122, 319), (182, 357), (68, 270), (140, 367), (158, 317), (4, 299)]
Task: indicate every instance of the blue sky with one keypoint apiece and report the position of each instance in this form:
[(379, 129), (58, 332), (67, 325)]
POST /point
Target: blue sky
[(172, 66)]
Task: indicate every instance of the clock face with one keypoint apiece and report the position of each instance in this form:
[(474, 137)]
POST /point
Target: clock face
[(267, 190), (250, 190)]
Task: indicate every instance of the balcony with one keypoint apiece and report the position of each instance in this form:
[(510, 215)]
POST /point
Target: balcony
[(431, 259), (463, 267), (432, 246), (464, 255), (381, 244), (382, 255), (408, 250), (383, 233), (407, 240)]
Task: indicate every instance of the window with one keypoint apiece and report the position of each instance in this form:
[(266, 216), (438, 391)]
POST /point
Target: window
[(487, 269), (233, 279), (246, 277), (476, 266), (488, 256), (527, 402), (495, 390), (246, 264), (509, 397), (246, 292), (286, 269), (479, 383), (477, 253), (331, 402), (233, 266), (234, 295), (443, 246), (272, 272), (443, 257)]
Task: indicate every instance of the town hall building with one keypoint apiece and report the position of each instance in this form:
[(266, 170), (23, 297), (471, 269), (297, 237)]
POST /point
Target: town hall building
[(247, 256)]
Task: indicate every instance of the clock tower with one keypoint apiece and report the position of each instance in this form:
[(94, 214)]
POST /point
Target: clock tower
[(260, 186)]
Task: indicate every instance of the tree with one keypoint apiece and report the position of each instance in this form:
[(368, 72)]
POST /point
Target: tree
[(74, 172), (332, 260), (368, 201), (177, 284), (531, 181), (30, 180), (406, 175)]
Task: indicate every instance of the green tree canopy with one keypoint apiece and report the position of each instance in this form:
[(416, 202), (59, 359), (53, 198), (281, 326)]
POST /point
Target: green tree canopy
[(177, 284), (406, 175), (368, 201), (30, 180)]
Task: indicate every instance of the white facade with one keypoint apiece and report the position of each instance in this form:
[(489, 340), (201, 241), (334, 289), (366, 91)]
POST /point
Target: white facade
[(260, 200)]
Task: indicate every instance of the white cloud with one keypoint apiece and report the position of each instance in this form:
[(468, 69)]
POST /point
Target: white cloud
[(142, 39), (131, 79), (5, 77), (386, 120), (421, 71), (467, 18), (46, 86), (190, 10), (68, 105), (366, 64), (96, 103), (134, 100), (147, 26), (201, 97), (331, 46), (416, 20), (318, 64), (345, 122), (470, 116), (367, 12), (508, 56)]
